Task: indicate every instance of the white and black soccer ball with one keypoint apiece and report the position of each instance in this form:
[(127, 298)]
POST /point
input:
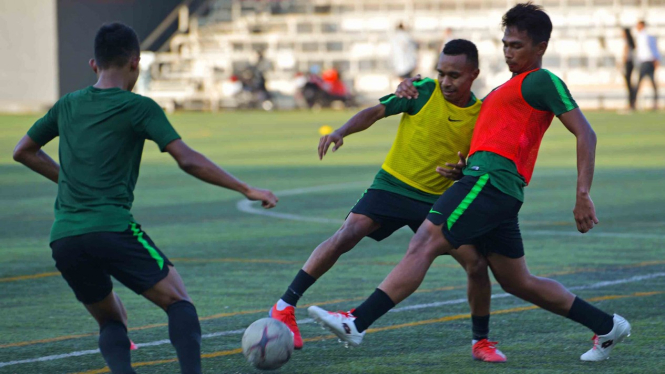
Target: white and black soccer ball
[(267, 344)]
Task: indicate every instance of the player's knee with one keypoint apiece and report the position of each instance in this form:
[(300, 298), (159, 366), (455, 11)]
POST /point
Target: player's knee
[(166, 296), (346, 238), (477, 270), (515, 286), (422, 245), (172, 298)]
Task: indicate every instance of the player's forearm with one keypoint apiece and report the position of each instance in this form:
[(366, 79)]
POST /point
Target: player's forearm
[(202, 168), (586, 159), (362, 120), (40, 163)]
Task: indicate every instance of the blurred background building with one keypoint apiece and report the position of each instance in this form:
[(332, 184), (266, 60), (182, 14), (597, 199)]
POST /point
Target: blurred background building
[(204, 54)]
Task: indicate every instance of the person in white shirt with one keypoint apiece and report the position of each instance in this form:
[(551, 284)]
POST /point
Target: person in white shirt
[(404, 52), (649, 58)]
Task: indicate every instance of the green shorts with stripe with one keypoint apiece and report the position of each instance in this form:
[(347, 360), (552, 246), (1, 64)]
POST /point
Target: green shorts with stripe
[(473, 211), (88, 261)]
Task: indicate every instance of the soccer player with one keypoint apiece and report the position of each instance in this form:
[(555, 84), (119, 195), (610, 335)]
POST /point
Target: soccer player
[(482, 207), (432, 130), (102, 131)]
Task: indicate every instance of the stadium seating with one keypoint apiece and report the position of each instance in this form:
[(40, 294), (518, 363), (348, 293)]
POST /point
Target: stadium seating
[(354, 37)]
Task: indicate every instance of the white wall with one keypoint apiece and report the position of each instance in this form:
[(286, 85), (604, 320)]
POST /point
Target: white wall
[(28, 54)]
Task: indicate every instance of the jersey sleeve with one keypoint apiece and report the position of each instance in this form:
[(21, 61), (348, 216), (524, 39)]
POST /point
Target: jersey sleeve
[(46, 128), (395, 105), (152, 123), (545, 91)]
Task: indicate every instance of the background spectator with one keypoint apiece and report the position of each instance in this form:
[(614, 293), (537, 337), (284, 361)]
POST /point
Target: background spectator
[(648, 58)]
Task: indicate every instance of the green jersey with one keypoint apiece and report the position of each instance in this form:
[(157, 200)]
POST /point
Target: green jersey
[(102, 133), (543, 91)]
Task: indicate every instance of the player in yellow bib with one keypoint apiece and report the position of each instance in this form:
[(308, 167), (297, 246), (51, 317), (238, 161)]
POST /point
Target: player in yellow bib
[(433, 129)]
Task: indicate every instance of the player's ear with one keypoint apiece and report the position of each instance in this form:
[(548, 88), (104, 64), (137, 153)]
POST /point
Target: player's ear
[(93, 65), (475, 74), (134, 62), (541, 47)]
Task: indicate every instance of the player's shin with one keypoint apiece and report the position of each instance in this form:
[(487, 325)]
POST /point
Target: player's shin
[(407, 276), (405, 279), (185, 335), (114, 345)]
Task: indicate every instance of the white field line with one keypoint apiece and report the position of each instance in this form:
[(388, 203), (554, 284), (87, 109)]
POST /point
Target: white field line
[(309, 320), (248, 206), (252, 207)]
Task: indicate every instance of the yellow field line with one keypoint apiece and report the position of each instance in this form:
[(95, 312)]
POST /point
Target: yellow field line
[(33, 276), (225, 260), (380, 329), (231, 314)]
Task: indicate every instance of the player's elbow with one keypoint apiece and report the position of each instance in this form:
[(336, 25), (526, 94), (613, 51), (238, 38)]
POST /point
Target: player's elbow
[(378, 112), (19, 154), (191, 162), (587, 136), (591, 137), (187, 165)]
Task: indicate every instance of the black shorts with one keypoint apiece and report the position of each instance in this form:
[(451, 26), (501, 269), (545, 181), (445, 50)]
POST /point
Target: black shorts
[(473, 211), (392, 211), (88, 261)]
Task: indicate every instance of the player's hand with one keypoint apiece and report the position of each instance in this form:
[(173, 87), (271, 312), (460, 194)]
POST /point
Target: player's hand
[(585, 213), (326, 140), (267, 198), (407, 89), (656, 64), (455, 170)]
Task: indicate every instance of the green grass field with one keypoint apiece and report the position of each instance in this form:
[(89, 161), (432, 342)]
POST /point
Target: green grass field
[(237, 264)]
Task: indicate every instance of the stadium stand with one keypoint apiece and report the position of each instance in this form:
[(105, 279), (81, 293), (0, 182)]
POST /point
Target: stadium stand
[(353, 36)]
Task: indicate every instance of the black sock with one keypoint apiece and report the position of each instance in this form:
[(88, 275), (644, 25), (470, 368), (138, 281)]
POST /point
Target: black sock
[(114, 345), (185, 335), (300, 284), (376, 305), (588, 315), (480, 327)]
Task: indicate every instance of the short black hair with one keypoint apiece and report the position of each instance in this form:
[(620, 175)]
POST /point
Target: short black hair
[(530, 18), (115, 44), (458, 47)]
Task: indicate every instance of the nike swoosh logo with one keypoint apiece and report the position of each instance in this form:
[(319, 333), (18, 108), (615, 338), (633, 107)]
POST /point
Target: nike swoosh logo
[(434, 211), (454, 120)]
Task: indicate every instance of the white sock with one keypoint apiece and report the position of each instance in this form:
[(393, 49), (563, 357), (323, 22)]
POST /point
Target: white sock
[(281, 305)]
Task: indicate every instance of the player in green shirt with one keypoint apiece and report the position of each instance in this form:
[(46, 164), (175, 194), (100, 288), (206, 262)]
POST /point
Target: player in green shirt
[(102, 131)]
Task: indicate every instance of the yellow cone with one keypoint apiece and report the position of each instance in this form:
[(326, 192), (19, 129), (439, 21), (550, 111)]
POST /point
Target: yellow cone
[(325, 130)]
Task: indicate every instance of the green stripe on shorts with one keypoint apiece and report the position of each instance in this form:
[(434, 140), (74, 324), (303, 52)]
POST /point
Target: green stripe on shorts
[(361, 196), (468, 199), (153, 252)]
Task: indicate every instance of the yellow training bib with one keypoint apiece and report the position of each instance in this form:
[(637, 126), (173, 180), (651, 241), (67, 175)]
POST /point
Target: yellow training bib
[(428, 139)]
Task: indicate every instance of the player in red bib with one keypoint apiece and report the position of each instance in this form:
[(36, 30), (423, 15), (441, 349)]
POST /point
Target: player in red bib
[(482, 207)]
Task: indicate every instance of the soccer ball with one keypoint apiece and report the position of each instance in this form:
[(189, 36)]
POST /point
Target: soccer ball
[(267, 344)]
